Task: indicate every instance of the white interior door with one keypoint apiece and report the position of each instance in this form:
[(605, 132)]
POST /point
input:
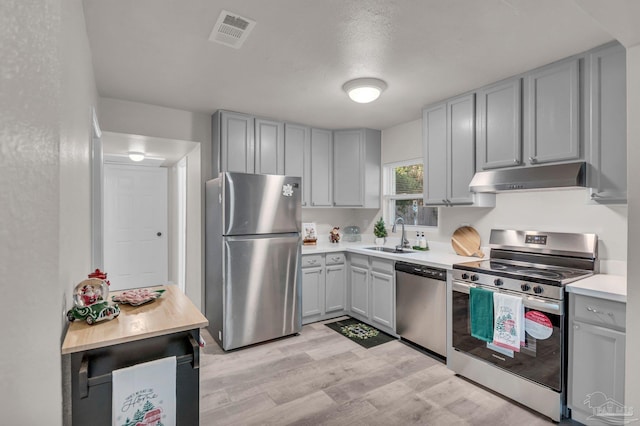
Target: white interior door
[(135, 226)]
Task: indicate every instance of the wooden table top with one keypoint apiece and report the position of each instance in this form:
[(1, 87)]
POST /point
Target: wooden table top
[(170, 313)]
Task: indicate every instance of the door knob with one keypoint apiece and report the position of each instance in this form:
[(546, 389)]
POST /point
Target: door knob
[(159, 234)]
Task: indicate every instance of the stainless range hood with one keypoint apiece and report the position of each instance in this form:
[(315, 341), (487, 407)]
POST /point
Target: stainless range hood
[(566, 175)]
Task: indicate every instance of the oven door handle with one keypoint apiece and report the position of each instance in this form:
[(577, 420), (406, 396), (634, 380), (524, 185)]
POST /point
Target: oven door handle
[(542, 305), (530, 302), (466, 287)]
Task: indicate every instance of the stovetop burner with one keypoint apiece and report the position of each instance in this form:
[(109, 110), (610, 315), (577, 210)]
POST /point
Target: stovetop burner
[(552, 275), (540, 274)]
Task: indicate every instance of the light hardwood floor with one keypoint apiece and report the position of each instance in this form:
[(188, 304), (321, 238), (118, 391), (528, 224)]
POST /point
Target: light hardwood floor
[(322, 378)]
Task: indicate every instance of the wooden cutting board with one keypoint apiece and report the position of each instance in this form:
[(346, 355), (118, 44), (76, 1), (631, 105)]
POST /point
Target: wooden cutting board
[(466, 242)]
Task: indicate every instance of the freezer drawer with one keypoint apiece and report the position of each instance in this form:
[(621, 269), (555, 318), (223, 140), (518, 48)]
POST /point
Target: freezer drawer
[(261, 289)]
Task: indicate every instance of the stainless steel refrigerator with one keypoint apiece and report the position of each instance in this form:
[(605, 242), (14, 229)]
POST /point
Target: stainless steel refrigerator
[(252, 254)]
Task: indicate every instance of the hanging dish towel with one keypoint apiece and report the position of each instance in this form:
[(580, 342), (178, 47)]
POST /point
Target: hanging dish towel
[(481, 312), (145, 394), (508, 331)]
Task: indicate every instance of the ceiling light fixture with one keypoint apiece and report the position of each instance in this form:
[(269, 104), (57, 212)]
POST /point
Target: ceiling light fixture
[(136, 156), (364, 90)]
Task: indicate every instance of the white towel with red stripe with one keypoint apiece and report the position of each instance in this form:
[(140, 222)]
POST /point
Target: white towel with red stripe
[(508, 331), (145, 394)]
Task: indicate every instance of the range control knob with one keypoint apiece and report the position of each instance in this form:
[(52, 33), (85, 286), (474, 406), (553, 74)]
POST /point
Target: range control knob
[(498, 282), (474, 277), (537, 289), (525, 287), (465, 276)]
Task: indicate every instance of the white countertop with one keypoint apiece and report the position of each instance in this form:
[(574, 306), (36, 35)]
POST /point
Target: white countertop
[(603, 286), (440, 255)]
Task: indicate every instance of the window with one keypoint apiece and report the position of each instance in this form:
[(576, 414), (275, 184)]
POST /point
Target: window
[(403, 183)]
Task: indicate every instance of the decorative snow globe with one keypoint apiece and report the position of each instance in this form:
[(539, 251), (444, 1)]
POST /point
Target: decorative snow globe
[(91, 300)]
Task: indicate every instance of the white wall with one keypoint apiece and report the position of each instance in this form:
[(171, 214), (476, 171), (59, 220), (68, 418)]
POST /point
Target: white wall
[(47, 94), (150, 120), (557, 210), (326, 219), (632, 393), (195, 243)]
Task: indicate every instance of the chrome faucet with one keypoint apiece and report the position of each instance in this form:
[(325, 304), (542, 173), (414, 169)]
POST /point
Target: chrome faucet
[(403, 239)]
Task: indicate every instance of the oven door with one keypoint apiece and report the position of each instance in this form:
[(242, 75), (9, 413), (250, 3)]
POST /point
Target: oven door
[(540, 360)]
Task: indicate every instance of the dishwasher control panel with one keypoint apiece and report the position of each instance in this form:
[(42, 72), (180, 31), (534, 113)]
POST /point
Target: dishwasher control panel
[(421, 270)]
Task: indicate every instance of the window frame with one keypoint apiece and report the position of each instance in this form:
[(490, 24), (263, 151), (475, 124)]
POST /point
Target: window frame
[(388, 185)]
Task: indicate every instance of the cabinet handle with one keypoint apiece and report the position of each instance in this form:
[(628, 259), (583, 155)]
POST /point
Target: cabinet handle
[(335, 259), (533, 160), (313, 203), (576, 327), (312, 261), (596, 311)]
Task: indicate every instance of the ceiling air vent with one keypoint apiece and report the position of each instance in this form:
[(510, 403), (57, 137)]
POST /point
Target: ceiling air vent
[(231, 29)]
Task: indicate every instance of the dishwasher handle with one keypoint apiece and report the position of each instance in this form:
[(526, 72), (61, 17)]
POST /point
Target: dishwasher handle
[(422, 271)]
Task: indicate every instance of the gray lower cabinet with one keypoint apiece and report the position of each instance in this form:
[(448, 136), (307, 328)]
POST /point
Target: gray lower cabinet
[(297, 157), (324, 286), (383, 293), (596, 356), (335, 298), (312, 285), (372, 283), (552, 111), (321, 168), (499, 120), (356, 168), (449, 153), (608, 122), (359, 284)]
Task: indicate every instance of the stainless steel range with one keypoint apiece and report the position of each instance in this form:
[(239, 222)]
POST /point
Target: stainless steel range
[(533, 266)]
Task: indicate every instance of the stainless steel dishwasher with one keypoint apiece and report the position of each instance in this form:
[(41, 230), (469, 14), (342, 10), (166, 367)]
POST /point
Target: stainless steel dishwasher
[(421, 306)]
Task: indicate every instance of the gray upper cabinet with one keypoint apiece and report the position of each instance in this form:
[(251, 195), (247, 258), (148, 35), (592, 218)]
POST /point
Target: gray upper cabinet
[(321, 168), (297, 157), (356, 168), (434, 139), (269, 147), (608, 124), (553, 112), (348, 162), (246, 144), (233, 142), (449, 151), (499, 118), (461, 144)]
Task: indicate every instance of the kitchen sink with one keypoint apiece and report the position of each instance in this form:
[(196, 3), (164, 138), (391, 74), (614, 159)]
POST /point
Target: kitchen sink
[(390, 250)]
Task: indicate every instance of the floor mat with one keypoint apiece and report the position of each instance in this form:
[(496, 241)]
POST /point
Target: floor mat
[(363, 334)]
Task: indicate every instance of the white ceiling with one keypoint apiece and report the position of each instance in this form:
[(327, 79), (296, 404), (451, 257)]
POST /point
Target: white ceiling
[(301, 52)]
